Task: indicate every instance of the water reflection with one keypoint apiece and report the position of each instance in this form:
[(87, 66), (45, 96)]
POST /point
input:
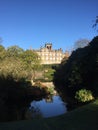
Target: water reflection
[(49, 98), (50, 107), (47, 107)]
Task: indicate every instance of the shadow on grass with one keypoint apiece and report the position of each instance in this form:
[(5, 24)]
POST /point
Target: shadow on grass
[(83, 118)]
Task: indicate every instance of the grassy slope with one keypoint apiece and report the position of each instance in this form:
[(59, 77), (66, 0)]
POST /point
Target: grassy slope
[(84, 118)]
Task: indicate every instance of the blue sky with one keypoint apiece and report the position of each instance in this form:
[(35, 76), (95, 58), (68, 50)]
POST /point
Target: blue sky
[(32, 23)]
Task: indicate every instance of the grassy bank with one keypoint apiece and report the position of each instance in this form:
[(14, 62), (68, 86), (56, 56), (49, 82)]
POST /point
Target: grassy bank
[(83, 118)]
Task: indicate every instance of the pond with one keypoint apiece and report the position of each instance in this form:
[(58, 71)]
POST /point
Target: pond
[(42, 108), (49, 107)]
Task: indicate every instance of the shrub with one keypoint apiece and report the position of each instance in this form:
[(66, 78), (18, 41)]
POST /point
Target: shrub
[(84, 95), (51, 90)]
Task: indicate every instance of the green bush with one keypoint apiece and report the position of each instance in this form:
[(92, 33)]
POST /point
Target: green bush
[(48, 74), (84, 95), (51, 90)]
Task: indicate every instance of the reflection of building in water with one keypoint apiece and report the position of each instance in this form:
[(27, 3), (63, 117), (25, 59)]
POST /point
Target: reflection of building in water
[(49, 99), (50, 56)]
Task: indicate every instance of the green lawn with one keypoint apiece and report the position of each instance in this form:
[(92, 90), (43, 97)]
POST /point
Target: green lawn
[(83, 118)]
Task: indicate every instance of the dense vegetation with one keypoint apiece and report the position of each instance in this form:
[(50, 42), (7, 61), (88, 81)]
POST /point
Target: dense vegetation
[(79, 72), (17, 63), (17, 70), (45, 73), (76, 77)]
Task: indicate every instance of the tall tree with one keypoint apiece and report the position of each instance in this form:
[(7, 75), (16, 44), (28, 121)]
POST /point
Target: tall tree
[(32, 60), (81, 43), (1, 40), (2, 52), (13, 68), (95, 23), (2, 48), (14, 51), (80, 71)]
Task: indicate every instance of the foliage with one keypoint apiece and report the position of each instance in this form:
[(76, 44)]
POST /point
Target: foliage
[(80, 70), (1, 40), (64, 60), (2, 48), (32, 61), (48, 74), (84, 95), (45, 73), (16, 65), (81, 43), (14, 51), (30, 58), (51, 90), (95, 23), (2, 52), (14, 68)]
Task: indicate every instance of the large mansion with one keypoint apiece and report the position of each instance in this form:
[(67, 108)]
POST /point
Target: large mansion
[(50, 56)]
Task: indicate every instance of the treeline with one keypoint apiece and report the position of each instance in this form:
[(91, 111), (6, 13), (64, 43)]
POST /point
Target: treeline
[(17, 63), (17, 69), (77, 77)]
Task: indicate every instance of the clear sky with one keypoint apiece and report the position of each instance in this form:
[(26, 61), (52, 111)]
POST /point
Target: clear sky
[(32, 23)]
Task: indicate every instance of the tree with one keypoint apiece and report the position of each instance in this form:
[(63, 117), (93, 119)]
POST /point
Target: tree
[(95, 23), (1, 40), (2, 52), (14, 51), (2, 48), (81, 43), (32, 61), (13, 68), (80, 71)]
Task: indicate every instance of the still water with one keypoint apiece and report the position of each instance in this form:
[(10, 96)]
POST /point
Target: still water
[(49, 107), (42, 108)]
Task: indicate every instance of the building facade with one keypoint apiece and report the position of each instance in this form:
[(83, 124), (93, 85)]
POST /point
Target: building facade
[(50, 56)]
